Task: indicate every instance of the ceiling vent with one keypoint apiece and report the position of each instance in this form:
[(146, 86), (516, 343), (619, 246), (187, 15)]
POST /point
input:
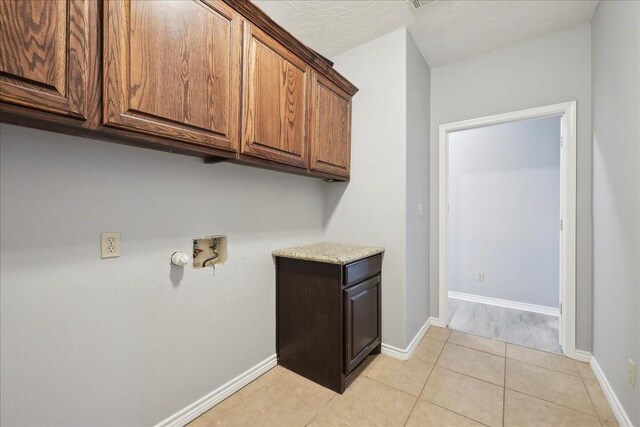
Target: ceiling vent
[(419, 3)]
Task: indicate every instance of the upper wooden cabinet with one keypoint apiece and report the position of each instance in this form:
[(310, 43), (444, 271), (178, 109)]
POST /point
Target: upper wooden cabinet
[(217, 79), (43, 55), (172, 68), (330, 128), (275, 100)]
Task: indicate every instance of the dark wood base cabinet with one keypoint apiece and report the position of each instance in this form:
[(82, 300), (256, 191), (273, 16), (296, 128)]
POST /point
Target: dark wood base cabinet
[(328, 318)]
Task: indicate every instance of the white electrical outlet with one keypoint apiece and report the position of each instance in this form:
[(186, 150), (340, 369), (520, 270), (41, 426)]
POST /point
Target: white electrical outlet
[(631, 373), (480, 276), (110, 246)]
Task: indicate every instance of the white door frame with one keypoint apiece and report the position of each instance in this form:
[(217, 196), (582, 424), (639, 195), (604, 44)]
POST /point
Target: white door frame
[(568, 168)]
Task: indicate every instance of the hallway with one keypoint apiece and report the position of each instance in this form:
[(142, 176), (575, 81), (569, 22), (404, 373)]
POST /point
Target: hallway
[(534, 330)]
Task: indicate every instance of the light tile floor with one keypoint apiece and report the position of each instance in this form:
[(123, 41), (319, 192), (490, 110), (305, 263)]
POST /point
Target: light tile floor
[(453, 379)]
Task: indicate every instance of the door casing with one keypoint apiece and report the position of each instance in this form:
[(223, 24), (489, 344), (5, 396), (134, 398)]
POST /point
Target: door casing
[(568, 168)]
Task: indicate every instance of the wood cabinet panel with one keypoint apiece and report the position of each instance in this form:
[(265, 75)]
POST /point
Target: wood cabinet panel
[(330, 128), (276, 87), (173, 75), (362, 321), (309, 320), (44, 54), (173, 68)]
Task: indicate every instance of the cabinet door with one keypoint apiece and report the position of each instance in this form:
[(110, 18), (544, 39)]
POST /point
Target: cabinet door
[(43, 54), (276, 88), (172, 68), (362, 321), (330, 128)]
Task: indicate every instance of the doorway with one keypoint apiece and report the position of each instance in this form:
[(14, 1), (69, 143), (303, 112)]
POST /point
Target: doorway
[(507, 226)]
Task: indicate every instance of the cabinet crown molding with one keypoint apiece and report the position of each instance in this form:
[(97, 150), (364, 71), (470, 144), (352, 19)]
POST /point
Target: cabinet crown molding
[(321, 64)]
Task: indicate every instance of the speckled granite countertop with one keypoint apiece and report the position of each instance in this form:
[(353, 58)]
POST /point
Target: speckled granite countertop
[(332, 253)]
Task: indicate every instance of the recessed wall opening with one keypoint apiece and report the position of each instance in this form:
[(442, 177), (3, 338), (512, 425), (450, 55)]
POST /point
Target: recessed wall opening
[(507, 227)]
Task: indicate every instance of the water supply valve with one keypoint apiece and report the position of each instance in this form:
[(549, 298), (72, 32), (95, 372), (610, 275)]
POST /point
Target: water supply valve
[(180, 259)]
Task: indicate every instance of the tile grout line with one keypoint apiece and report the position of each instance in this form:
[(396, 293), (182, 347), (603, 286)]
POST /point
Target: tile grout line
[(460, 373), (471, 376), (363, 373), (322, 407), (591, 399), (511, 358), (476, 349), (547, 369), (504, 386), (429, 376), (550, 401), (454, 412), (556, 372), (425, 385), (510, 343), (267, 382), (555, 403), (318, 408), (518, 391), (506, 343), (391, 386)]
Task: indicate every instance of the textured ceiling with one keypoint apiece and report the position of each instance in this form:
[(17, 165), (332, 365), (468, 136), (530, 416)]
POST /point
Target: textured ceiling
[(445, 31)]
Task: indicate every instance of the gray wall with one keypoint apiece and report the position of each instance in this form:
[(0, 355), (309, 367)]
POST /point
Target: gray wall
[(369, 209), (548, 70), (504, 208), (417, 232), (616, 196), (389, 175), (130, 341)]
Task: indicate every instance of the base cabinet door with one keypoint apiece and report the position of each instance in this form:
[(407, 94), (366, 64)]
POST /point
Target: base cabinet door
[(362, 321), (172, 69), (276, 88), (44, 55), (330, 128)]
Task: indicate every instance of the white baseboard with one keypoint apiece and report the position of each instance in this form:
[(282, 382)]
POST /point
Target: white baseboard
[(406, 353), (435, 321), (616, 406), (582, 356), (550, 311), (197, 408)]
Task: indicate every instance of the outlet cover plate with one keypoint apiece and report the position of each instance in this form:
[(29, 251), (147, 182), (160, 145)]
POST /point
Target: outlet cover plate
[(110, 245)]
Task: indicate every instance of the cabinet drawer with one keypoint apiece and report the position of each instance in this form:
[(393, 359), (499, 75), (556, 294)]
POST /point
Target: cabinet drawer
[(360, 270), (362, 321)]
